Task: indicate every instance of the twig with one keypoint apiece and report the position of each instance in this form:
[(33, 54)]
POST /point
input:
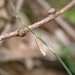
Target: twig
[(6, 30), (9, 25), (22, 32), (58, 19)]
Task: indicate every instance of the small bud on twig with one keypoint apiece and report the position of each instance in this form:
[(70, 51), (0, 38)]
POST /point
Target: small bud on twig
[(51, 11)]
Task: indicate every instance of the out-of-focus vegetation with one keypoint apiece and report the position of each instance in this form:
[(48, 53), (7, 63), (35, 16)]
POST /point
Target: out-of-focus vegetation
[(20, 55), (68, 15)]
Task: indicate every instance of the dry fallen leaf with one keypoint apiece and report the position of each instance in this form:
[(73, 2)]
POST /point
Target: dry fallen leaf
[(40, 45)]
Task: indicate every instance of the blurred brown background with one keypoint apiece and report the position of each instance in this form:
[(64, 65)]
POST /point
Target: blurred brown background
[(20, 55)]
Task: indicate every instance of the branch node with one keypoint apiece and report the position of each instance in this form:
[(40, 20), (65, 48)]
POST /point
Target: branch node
[(21, 32), (52, 11)]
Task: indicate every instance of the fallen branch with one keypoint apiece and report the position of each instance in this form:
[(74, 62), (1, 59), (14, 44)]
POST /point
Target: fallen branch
[(22, 32)]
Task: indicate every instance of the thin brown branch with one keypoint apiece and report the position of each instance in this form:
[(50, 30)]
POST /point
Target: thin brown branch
[(9, 25), (61, 22), (21, 32), (6, 30)]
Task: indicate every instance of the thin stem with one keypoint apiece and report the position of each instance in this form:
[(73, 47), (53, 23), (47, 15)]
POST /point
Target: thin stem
[(66, 68)]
